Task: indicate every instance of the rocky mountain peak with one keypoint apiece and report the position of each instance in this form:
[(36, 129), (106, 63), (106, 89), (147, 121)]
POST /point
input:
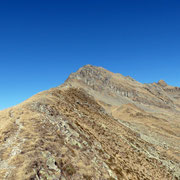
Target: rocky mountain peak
[(162, 83), (122, 89), (89, 71), (99, 78)]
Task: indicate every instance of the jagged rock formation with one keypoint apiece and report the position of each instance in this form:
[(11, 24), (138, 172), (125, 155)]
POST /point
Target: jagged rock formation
[(97, 125)]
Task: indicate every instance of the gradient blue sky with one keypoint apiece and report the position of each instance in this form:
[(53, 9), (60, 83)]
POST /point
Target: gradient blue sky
[(43, 41)]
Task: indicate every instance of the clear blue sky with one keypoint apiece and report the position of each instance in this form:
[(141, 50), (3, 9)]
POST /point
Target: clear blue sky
[(43, 41)]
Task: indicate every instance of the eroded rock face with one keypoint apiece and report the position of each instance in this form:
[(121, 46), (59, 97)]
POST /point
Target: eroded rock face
[(117, 86), (68, 133)]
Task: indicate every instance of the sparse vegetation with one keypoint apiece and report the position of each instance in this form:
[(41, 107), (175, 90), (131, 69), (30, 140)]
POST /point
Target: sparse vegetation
[(87, 177), (111, 178), (69, 169), (118, 172)]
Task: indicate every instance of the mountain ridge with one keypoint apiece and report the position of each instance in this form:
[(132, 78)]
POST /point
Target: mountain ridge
[(90, 75), (97, 125)]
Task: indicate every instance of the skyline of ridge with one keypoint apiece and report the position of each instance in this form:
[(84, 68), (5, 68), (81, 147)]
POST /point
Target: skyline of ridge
[(161, 81), (42, 42)]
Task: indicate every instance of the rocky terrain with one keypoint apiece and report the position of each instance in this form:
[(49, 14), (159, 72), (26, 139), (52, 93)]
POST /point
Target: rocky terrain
[(97, 125)]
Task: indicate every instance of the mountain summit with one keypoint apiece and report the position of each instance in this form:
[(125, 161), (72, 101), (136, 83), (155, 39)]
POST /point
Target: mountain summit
[(118, 89), (97, 125), (162, 83)]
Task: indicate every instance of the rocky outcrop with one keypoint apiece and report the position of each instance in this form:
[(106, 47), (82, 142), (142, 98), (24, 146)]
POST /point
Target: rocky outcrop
[(162, 83)]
